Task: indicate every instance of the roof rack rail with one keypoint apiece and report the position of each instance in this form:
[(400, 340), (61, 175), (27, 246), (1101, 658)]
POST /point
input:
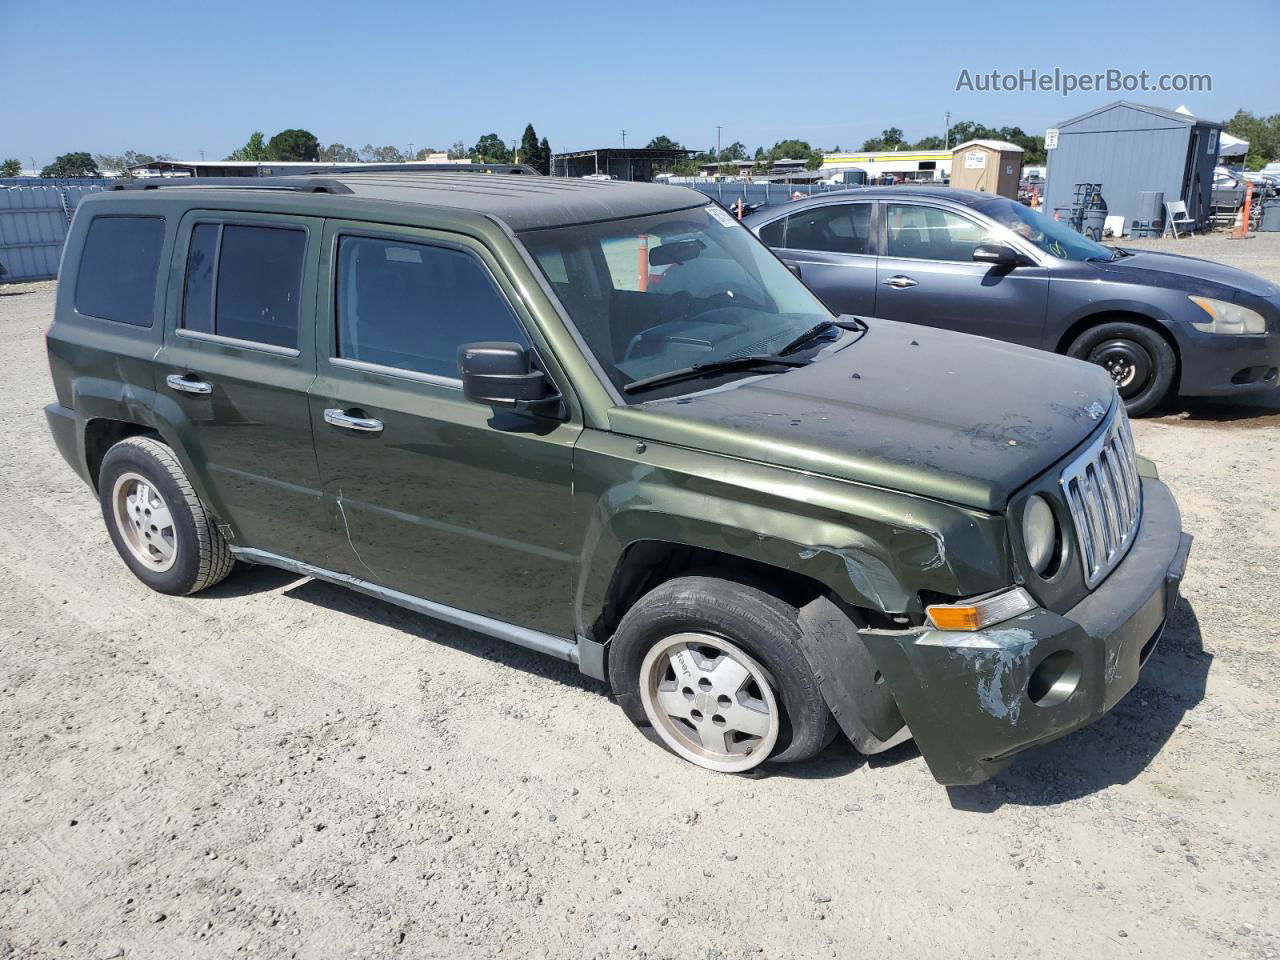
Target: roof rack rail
[(509, 168), (291, 184)]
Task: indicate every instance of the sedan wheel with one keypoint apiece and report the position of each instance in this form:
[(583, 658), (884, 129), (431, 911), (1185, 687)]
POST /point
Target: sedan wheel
[(710, 702), (1127, 362)]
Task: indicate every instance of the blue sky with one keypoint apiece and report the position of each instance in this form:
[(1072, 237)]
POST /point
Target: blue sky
[(176, 79)]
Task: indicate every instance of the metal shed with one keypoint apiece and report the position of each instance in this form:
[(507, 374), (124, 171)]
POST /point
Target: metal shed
[(1130, 148)]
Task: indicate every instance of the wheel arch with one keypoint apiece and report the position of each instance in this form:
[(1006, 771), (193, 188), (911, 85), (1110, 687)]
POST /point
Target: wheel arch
[(103, 433), (1122, 315)]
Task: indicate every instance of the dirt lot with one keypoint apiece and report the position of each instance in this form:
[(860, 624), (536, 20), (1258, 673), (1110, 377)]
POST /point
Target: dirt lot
[(281, 768)]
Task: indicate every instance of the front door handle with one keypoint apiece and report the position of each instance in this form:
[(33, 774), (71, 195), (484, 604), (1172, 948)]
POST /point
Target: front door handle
[(187, 383), (899, 282), (340, 418)]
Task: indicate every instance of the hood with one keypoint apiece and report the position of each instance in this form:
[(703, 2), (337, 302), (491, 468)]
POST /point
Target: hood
[(1177, 272), (941, 414)]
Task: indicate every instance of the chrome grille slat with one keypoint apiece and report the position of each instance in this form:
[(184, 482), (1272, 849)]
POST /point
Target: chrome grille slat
[(1104, 495)]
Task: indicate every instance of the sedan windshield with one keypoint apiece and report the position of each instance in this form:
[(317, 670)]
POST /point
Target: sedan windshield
[(688, 289), (1052, 236)]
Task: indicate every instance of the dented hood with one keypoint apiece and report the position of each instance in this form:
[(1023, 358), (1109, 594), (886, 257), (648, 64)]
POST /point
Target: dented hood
[(941, 414)]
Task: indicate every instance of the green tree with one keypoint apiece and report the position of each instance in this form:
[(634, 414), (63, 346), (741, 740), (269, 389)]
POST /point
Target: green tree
[(371, 154), (71, 165), (254, 149), (734, 151), (339, 153), (490, 149), (1263, 134), (529, 152), (544, 155), (458, 151), (10, 167), (789, 150), (663, 143), (293, 145)]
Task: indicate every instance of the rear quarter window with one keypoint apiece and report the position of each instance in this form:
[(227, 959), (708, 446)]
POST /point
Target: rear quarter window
[(116, 279)]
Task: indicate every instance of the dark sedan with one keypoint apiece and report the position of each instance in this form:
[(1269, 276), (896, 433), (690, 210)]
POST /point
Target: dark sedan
[(1159, 323)]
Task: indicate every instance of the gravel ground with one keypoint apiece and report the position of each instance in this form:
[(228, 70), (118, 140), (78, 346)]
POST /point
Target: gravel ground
[(282, 768)]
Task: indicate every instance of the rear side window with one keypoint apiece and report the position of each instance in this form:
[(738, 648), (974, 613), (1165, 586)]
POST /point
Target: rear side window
[(837, 228), (117, 275), (412, 305), (245, 282), (772, 233)]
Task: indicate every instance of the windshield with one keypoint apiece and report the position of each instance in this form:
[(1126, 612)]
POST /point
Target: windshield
[(655, 294), (1052, 236)]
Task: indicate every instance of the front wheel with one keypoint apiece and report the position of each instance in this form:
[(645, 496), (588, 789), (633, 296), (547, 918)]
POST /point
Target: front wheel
[(713, 666), (1141, 363)]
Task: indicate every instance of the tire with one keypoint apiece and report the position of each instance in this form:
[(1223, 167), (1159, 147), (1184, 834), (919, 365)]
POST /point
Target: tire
[(1140, 361), (702, 625), (158, 525)]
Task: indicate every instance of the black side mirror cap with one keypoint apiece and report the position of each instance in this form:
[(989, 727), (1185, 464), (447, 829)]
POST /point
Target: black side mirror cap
[(499, 374), (997, 255)]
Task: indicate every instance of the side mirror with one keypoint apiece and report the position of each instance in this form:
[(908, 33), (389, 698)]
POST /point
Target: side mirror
[(499, 375), (996, 255)]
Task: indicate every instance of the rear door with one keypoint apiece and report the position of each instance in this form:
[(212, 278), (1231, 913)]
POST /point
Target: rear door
[(833, 245), (438, 497), (237, 360), (926, 274)]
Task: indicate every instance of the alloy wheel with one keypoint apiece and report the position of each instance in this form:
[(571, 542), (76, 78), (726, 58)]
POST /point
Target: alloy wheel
[(710, 702), (145, 522)]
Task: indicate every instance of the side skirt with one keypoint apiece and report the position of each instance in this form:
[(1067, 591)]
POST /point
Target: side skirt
[(556, 647)]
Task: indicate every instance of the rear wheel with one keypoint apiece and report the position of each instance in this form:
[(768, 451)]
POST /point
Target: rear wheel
[(713, 667), (1140, 362), (158, 525)]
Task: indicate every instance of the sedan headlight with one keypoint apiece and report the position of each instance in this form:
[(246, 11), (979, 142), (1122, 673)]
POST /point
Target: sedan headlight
[(1040, 535), (1227, 317)]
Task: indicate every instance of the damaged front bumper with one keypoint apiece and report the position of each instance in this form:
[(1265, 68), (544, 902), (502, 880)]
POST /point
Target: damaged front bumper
[(973, 700)]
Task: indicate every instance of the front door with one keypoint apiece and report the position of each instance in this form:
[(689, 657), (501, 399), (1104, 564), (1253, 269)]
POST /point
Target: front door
[(833, 247), (438, 497), (926, 274), (237, 362)]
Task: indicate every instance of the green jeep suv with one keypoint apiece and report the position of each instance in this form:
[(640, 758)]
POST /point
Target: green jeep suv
[(601, 420)]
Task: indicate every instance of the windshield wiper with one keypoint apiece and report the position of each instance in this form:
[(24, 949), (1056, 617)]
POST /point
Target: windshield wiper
[(714, 366), (818, 330)]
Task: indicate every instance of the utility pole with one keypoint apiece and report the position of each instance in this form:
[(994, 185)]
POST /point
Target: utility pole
[(202, 156), (624, 139), (410, 149), (718, 129), (946, 140)]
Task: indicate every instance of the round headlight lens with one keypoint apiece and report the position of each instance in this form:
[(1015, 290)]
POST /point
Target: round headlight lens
[(1039, 534)]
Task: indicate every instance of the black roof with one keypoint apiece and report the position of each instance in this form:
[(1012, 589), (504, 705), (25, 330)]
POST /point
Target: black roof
[(522, 202)]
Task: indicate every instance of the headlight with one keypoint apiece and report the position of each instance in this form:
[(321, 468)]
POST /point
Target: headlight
[(1227, 317), (1039, 534)]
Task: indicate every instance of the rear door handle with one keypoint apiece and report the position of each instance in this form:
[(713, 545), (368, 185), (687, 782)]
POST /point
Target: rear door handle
[(340, 418), (899, 282), (187, 383)]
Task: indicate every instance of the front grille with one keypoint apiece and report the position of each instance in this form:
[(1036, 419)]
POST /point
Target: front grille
[(1104, 494)]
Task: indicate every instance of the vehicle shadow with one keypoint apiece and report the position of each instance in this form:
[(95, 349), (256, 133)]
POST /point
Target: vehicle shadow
[(1257, 410), (248, 579), (1120, 745), (354, 604)]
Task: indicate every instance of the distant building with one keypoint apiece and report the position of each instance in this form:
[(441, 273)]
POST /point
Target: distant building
[(902, 164), (618, 163)]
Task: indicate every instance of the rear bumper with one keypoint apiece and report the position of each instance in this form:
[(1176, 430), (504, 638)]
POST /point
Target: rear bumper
[(1213, 365), (974, 700), (66, 437)]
